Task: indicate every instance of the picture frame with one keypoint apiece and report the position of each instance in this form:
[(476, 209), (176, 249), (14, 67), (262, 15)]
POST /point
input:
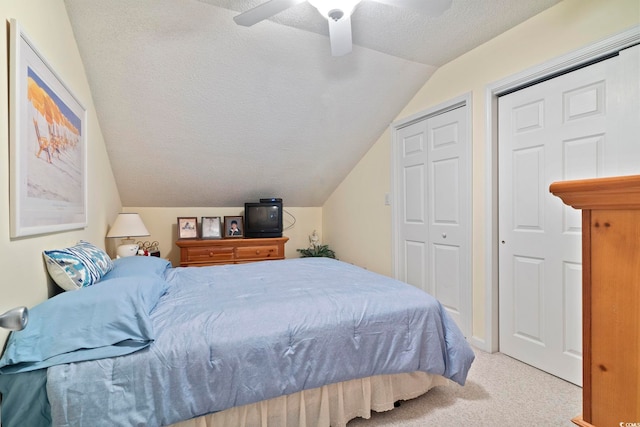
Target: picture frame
[(211, 227), (187, 227), (232, 223), (47, 144)]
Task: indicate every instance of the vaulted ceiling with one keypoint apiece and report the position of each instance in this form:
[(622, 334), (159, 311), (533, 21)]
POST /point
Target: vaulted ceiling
[(198, 111)]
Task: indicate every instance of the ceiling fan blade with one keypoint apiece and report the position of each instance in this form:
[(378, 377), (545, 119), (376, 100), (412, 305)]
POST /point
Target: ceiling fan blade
[(340, 35), (432, 8), (264, 11)]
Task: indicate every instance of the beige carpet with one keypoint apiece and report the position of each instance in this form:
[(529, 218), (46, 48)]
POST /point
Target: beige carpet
[(500, 391)]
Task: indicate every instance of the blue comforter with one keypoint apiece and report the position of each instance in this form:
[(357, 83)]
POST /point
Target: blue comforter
[(233, 335)]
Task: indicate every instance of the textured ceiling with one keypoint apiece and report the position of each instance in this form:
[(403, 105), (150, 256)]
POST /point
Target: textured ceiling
[(198, 111)]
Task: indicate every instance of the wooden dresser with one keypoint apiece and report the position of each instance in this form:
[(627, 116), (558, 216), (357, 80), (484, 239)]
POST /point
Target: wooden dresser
[(201, 252), (610, 297)]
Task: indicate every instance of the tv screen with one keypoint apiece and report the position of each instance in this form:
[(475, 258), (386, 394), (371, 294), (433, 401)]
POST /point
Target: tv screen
[(263, 219)]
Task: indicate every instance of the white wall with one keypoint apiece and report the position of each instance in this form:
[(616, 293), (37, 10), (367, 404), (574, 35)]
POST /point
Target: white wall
[(566, 27), (25, 281), (355, 219)]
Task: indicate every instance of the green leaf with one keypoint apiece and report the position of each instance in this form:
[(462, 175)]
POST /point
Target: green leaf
[(317, 251)]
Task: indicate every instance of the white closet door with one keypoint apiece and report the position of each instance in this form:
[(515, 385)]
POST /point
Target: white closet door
[(434, 185), (556, 130)]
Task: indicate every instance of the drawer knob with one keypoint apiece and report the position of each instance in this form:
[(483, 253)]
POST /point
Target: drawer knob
[(258, 252)]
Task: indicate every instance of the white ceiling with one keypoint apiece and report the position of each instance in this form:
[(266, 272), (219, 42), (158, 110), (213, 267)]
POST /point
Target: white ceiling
[(198, 111)]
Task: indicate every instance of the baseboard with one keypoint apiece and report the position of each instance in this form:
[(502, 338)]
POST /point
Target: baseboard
[(481, 344)]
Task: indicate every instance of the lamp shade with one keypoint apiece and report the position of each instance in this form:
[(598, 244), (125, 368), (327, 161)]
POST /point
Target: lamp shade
[(128, 225)]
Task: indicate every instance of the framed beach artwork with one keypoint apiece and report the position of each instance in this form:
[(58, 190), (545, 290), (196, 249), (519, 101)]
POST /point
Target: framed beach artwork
[(47, 140)]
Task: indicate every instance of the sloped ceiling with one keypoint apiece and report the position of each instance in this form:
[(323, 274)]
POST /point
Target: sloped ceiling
[(198, 111)]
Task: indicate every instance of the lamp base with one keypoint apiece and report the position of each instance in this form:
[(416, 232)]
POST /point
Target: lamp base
[(127, 250)]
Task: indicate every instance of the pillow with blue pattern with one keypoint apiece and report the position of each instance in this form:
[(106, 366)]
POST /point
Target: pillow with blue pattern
[(78, 266)]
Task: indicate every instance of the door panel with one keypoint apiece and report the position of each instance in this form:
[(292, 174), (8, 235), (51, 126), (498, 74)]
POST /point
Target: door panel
[(528, 299), (446, 276), (446, 209), (415, 255), (572, 331), (414, 181)]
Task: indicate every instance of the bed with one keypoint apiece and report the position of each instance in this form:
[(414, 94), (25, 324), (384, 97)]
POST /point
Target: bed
[(296, 342)]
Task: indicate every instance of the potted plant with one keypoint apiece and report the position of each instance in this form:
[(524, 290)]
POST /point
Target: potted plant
[(316, 249)]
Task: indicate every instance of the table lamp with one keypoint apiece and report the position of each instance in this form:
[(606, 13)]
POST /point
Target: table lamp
[(15, 319), (126, 226)]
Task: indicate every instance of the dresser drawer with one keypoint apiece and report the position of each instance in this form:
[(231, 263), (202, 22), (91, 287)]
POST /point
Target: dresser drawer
[(257, 252), (208, 254), (201, 252)]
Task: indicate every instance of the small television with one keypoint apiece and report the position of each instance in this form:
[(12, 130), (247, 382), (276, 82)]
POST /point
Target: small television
[(263, 219)]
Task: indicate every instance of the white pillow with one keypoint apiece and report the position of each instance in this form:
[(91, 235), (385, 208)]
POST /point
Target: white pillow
[(77, 267)]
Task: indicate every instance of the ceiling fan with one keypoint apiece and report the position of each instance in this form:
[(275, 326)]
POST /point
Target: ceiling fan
[(338, 15)]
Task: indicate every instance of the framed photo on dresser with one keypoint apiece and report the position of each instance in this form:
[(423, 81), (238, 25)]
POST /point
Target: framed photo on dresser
[(233, 227), (188, 227), (211, 227)]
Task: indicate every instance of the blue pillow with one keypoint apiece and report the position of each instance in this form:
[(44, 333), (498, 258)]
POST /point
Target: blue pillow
[(105, 320), (138, 266), (78, 266)]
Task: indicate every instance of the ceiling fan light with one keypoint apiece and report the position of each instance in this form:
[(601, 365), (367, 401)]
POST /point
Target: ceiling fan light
[(336, 14), (334, 9)]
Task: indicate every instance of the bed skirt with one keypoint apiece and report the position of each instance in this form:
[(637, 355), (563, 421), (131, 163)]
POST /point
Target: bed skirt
[(331, 405)]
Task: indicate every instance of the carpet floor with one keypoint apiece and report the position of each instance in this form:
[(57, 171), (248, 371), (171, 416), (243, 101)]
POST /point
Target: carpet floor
[(500, 391)]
